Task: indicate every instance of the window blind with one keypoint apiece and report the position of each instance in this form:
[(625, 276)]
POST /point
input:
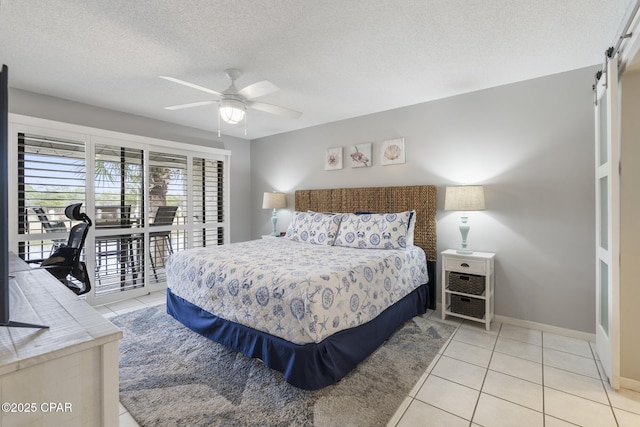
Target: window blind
[(131, 182), (208, 201), (51, 175), (118, 215)]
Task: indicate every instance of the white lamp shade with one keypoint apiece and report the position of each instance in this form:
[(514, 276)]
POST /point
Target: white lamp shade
[(232, 111), (464, 198), (274, 200)]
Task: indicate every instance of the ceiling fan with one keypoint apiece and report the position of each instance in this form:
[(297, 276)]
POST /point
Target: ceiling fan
[(233, 103)]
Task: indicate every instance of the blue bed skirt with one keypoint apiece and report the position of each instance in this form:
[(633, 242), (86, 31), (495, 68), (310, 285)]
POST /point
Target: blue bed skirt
[(309, 366)]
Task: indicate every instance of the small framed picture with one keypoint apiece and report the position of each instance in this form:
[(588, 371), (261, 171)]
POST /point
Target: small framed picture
[(333, 158), (360, 155), (392, 152)]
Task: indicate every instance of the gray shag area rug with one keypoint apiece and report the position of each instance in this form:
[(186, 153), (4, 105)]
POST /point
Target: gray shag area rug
[(172, 376)]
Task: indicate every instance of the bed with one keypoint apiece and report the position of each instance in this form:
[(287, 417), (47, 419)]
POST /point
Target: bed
[(314, 304)]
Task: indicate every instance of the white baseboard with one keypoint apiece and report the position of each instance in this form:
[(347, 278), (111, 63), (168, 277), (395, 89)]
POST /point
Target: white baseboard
[(629, 384), (547, 328), (541, 327)]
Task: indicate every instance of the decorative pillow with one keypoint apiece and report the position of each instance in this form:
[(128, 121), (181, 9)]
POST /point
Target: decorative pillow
[(412, 226), (298, 230), (374, 231), (313, 227)]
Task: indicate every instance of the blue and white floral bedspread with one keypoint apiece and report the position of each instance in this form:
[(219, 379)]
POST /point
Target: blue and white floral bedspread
[(297, 291)]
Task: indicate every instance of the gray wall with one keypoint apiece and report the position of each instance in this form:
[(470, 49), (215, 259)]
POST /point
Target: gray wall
[(530, 144), (47, 107)]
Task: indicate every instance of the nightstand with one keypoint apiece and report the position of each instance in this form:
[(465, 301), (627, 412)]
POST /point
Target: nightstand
[(468, 286), (268, 236)]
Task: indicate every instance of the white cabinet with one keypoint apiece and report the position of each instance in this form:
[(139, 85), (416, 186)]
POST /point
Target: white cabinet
[(66, 374), (468, 286)]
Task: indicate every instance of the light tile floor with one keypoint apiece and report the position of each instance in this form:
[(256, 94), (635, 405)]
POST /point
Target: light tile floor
[(514, 376), (508, 376)]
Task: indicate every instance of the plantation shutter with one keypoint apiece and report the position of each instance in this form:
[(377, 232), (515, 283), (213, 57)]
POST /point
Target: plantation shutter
[(146, 198), (208, 202), (118, 216), (51, 175), (167, 189)]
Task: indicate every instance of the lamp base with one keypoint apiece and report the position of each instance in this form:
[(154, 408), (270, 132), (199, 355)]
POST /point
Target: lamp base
[(464, 231), (274, 220)]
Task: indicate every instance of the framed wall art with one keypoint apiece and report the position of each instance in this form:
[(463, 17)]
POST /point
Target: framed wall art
[(333, 158), (392, 152), (360, 155)]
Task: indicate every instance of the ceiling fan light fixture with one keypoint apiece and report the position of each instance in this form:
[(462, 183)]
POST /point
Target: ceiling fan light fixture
[(232, 111), (232, 107)]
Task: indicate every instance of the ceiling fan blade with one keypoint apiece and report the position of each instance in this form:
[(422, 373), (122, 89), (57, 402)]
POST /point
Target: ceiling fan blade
[(193, 104), (191, 85), (274, 109), (257, 89)]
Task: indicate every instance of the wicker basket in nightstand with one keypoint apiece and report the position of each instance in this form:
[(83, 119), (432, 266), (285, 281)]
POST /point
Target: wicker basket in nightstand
[(468, 306), (466, 283)]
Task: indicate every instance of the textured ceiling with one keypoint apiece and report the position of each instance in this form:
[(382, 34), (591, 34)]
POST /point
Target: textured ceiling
[(331, 59)]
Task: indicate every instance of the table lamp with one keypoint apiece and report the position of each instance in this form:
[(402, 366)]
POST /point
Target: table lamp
[(274, 200), (464, 198)]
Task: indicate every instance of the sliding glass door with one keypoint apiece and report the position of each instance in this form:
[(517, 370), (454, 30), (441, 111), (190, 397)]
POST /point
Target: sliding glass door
[(118, 200), (147, 199), (168, 208)]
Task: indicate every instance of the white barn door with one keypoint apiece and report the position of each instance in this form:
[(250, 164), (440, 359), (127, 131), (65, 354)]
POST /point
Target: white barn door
[(608, 221)]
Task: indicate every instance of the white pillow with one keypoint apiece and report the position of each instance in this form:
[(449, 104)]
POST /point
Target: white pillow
[(374, 231)]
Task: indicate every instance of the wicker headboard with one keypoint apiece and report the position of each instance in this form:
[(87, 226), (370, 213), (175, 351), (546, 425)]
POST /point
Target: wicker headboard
[(422, 198)]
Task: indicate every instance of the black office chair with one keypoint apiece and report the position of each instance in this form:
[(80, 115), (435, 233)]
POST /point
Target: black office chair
[(164, 216), (65, 260)]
